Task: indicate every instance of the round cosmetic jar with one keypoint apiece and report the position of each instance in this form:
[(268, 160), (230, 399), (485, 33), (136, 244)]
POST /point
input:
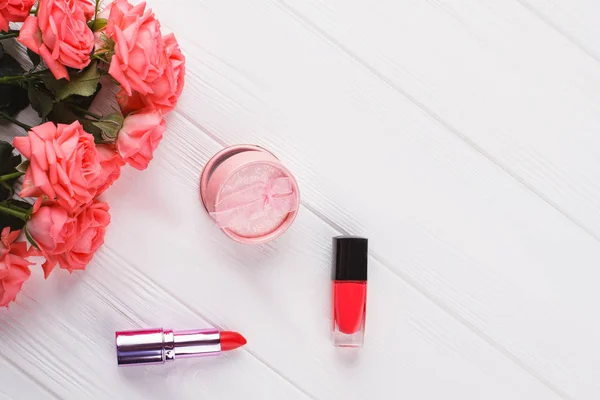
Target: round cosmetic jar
[(248, 192)]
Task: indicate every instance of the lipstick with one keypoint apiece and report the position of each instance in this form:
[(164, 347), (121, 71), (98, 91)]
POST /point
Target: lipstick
[(155, 346), (349, 290)]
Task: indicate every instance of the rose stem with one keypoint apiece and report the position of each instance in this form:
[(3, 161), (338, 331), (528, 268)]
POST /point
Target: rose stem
[(14, 213), (86, 112), (9, 34), (96, 11), (8, 177), (7, 117)]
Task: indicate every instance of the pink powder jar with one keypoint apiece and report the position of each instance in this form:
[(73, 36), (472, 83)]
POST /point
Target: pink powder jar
[(249, 193)]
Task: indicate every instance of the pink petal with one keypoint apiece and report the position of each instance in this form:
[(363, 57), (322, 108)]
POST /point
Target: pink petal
[(58, 70), (30, 35), (22, 144), (115, 71)]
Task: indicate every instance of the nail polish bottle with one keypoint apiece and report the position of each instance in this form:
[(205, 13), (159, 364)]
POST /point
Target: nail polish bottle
[(349, 290)]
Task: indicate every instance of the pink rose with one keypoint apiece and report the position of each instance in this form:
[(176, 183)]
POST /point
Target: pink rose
[(64, 164), (111, 163), (139, 56), (129, 104), (91, 227), (54, 231), (89, 9), (166, 89), (149, 67), (14, 267), (139, 137), (60, 35), (14, 11), (69, 241)]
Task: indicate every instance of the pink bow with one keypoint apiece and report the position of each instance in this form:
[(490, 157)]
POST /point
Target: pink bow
[(275, 198)]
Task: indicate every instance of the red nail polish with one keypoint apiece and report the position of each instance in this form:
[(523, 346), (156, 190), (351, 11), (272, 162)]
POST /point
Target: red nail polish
[(349, 290)]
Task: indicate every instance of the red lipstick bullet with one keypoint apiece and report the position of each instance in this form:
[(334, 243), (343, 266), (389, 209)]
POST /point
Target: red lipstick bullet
[(349, 290), (231, 340)]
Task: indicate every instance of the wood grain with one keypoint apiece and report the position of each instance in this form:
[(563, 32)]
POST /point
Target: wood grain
[(460, 137), (17, 383), (575, 20), (501, 238), (68, 343)]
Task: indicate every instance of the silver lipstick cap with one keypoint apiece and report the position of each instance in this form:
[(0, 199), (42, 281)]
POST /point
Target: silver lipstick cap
[(155, 346)]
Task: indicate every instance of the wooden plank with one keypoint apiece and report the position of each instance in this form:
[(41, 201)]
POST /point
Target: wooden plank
[(511, 86), (577, 20), (454, 219), (62, 332), (470, 294), (17, 384), (165, 263), (279, 294)]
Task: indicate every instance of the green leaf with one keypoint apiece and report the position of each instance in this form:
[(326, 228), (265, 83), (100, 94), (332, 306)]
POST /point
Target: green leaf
[(61, 114), (13, 221), (40, 100), (25, 206), (6, 191), (30, 238), (8, 165), (106, 43), (85, 83), (8, 160), (6, 149), (52, 84), (34, 57), (9, 66), (13, 98), (93, 130), (84, 102), (22, 167), (110, 125)]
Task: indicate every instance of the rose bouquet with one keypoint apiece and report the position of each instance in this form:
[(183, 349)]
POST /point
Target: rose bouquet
[(74, 155)]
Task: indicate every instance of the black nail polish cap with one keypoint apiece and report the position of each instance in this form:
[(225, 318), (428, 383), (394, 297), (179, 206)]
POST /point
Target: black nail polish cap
[(350, 254)]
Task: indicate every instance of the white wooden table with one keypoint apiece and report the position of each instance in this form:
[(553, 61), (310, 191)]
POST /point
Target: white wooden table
[(461, 136)]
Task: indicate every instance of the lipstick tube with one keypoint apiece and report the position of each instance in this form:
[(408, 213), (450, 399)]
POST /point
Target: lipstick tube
[(155, 346), (349, 290)]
